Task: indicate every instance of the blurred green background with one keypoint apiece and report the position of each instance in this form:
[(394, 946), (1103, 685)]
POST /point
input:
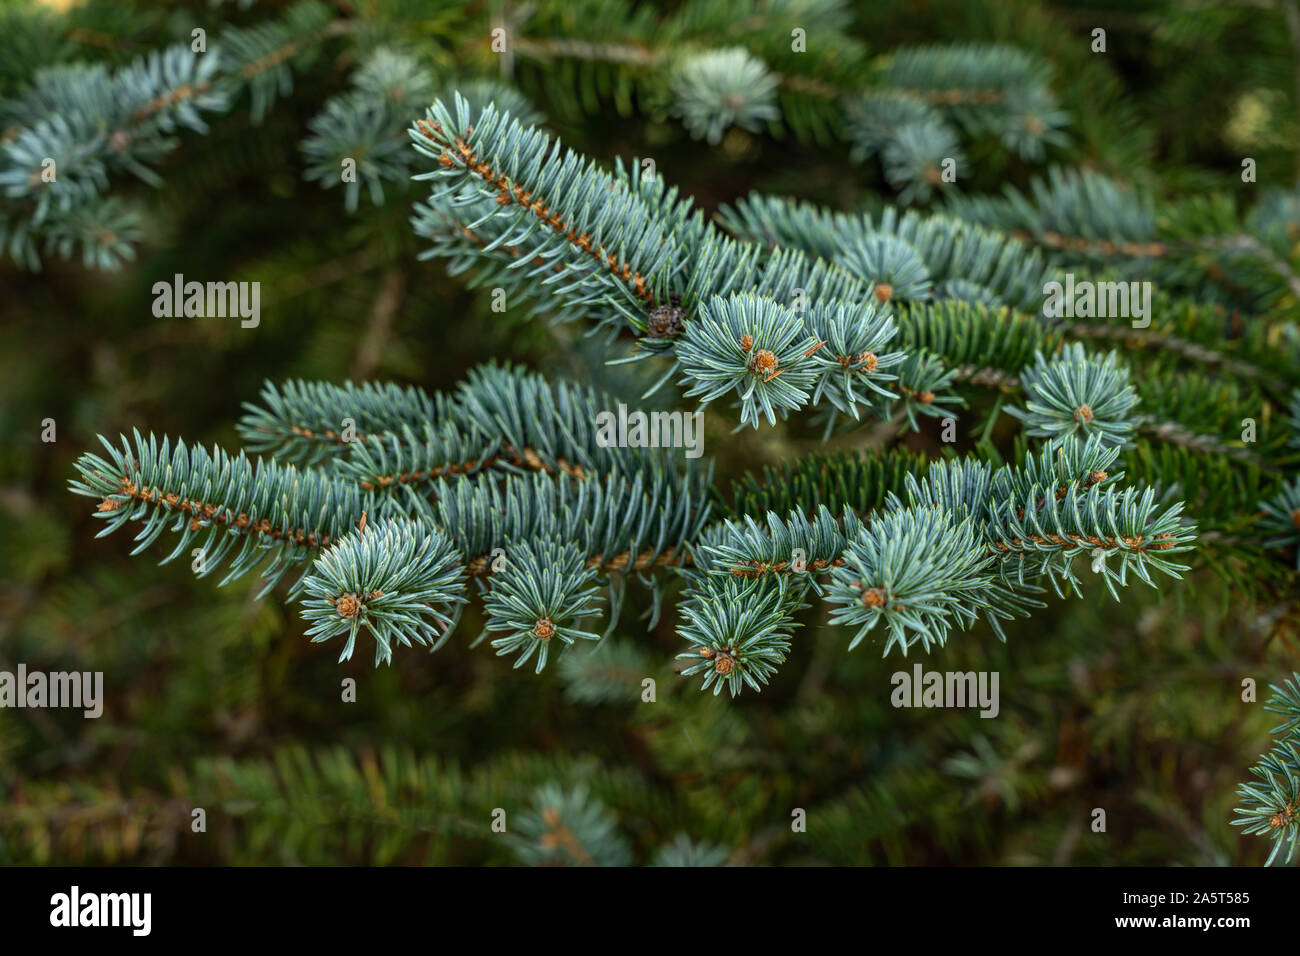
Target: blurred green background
[(216, 700)]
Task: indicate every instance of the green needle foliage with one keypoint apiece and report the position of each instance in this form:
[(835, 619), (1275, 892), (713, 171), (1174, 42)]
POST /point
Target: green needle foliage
[(539, 597), (911, 573), (507, 471), (1271, 801), (970, 542), (1078, 395), (397, 580), (740, 345), (740, 629), (264, 509)]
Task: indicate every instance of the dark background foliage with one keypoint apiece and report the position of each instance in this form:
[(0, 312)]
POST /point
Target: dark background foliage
[(216, 700)]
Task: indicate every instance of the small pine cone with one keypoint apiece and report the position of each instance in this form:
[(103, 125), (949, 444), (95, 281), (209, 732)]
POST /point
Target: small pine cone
[(666, 321), (746, 342), (724, 665), (873, 597), (347, 605), (543, 630)]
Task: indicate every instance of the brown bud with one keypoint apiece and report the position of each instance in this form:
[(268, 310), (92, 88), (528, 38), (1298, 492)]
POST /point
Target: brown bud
[(873, 597), (665, 321), (543, 630), (884, 291), (1083, 414), (347, 605), (764, 363), (724, 665)]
